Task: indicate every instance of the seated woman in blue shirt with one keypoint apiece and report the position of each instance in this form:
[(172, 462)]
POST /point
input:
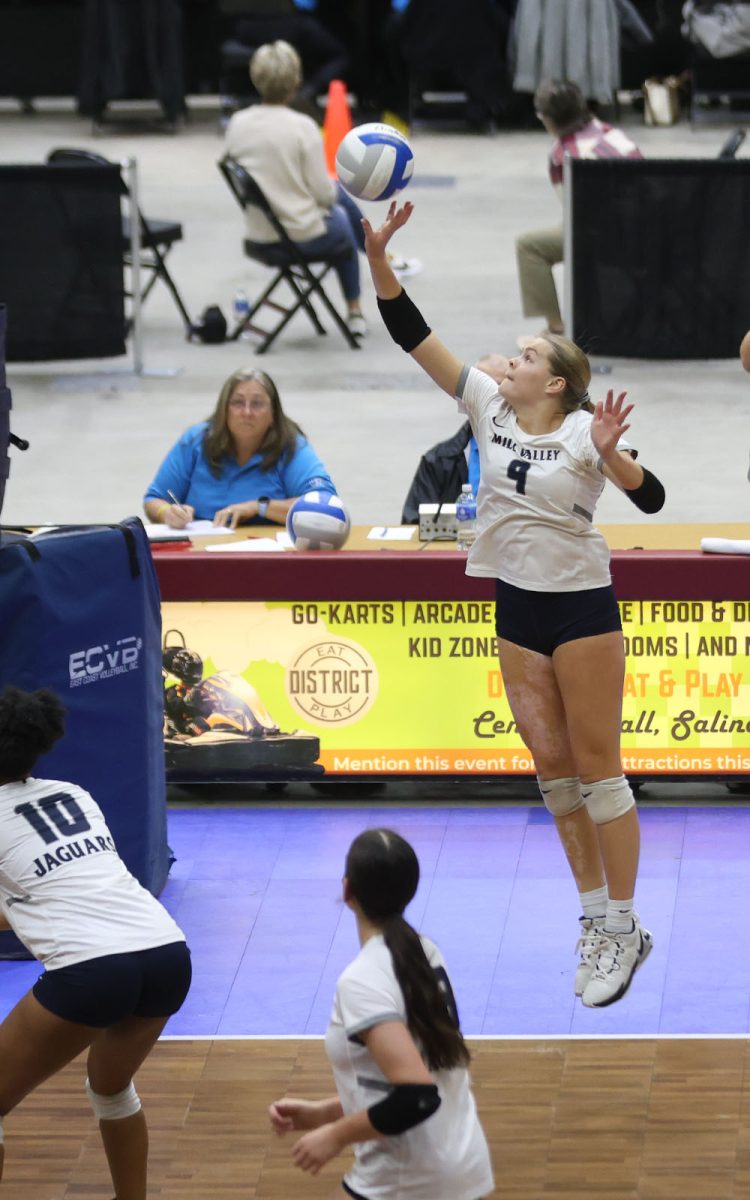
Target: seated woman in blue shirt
[(249, 462)]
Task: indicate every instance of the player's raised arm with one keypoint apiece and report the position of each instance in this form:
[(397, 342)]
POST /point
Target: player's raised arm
[(641, 487), (402, 318)]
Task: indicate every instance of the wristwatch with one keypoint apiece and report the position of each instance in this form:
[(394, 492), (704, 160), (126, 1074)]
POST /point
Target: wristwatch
[(263, 503)]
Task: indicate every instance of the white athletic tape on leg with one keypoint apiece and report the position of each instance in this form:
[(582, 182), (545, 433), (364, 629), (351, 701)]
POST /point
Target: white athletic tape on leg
[(114, 1108), (561, 796), (607, 799)]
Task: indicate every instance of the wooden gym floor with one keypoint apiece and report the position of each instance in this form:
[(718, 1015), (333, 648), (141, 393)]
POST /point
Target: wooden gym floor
[(578, 1119)]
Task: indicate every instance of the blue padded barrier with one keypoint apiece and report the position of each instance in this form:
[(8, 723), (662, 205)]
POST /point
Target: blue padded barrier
[(80, 613)]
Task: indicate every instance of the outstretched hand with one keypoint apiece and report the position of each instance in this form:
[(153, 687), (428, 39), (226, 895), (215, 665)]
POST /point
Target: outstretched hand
[(609, 423), (376, 240)]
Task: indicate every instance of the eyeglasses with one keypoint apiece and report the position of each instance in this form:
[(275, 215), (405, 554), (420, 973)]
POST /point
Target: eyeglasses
[(255, 405)]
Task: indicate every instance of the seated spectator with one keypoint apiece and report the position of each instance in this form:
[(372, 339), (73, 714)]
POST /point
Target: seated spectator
[(562, 109), (440, 475), (283, 151), (247, 463)]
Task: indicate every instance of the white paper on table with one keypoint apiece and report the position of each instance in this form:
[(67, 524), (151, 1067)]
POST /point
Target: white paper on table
[(165, 533), (391, 533), (725, 546), (283, 538), (247, 546)]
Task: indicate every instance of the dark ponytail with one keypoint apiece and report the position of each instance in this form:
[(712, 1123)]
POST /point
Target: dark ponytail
[(383, 872), (30, 724)]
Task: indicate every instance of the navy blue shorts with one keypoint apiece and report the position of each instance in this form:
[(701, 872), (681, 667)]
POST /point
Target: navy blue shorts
[(103, 991), (542, 621)]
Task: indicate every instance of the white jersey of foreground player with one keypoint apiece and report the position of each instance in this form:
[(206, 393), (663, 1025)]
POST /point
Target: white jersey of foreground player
[(444, 1158), (64, 890)]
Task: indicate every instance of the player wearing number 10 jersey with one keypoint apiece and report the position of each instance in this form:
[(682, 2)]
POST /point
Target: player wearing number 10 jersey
[(116, 964), (545, 452)]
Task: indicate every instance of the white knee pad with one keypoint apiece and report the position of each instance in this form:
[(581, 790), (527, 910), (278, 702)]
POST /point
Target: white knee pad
[(561, 796), (607, 799), (114, 1108)]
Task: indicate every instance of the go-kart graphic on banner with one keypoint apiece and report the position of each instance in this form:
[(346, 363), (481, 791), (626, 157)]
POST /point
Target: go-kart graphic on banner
[(218, 726)]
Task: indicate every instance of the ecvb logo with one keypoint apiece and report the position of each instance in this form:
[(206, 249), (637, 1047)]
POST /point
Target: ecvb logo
[(105, 661)]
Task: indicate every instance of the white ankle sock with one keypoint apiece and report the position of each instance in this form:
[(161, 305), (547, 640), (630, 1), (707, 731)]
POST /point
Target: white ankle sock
[(594, 903), (619, 916)]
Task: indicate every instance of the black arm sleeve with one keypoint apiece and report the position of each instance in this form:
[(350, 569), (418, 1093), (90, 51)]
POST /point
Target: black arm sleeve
[(650, 496), (404, 321), (409, 1104)]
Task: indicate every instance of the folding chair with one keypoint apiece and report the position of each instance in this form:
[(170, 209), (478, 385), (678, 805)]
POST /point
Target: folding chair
[(287, 260), (157, 236)]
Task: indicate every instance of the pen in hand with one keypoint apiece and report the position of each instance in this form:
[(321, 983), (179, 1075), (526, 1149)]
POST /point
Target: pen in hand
[(178, 504)]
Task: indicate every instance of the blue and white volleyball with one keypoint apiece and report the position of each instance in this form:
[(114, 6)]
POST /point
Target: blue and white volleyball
[(374, 161), (318, 521)]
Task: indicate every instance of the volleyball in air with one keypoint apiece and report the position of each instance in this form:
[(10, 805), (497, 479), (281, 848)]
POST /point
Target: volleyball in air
[(374, 161), (318, 521)]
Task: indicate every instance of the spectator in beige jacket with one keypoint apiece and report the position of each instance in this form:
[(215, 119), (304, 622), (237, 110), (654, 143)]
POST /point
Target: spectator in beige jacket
[(283, 151)]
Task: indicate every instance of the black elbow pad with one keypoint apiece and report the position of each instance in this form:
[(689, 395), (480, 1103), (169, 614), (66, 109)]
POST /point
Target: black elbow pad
[(409, 1104), (404, 321), (650, 496)]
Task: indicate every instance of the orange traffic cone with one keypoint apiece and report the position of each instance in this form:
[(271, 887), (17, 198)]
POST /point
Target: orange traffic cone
[(337, 123)]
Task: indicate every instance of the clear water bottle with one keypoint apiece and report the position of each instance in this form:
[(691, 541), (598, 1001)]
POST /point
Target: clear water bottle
[(466, 518), (240, 306)]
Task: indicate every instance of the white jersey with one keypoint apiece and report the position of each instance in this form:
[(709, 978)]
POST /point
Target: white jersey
[(444, 1158), (64, 889), (537, 496)]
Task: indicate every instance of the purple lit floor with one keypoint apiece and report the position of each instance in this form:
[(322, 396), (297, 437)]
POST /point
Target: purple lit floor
[(257, 892)]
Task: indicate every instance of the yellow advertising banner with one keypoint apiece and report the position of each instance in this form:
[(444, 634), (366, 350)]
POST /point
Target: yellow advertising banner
[(393, 687)]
